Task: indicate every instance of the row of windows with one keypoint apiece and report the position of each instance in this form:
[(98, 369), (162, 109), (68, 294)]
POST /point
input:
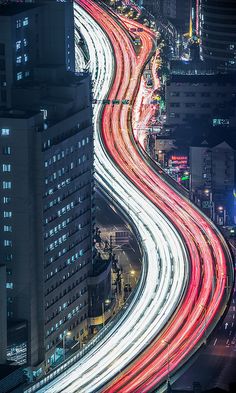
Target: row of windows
[(65, 304), (57, 228), (63, 153), (7, 228), (7, 243), (66, 318), (66, 169), (22, 22), (6, 167), (57, 187), (69, 260), (69, 288), (7, 214), (69, 247), (190, 105), (57, 242), (193, 94)]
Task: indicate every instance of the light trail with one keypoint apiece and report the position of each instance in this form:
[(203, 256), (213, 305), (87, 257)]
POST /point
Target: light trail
[(161, 294), (205, 244)]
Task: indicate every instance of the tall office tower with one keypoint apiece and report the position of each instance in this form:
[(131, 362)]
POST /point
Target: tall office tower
[(29, 38), (218, 33), (46, 164)]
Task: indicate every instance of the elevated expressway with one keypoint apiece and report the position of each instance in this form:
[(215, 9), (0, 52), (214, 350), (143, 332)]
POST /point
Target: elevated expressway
[(187, 269)]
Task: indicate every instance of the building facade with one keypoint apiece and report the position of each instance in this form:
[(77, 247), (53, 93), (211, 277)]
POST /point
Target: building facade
[(47, 207), (28, 39), (208, 98), (212, 181), (218, 33)]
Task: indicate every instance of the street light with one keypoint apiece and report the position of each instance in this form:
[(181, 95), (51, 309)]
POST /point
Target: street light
[(67, 334), (106, 302)]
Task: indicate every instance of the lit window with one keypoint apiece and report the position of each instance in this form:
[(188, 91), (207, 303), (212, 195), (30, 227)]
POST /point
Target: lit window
[(6, 185), (19, 76), (7, 214), (6, 167), (7, 243), (18, 45), (25, 21), (27, 73), (18, 23), (9, 285), (25, 42), (6, 150), (18, 59), (5, 131), (25, 57), (7, 228), (6, 200)]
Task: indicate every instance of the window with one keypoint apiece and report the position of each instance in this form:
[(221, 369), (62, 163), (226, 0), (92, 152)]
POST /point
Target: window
[(8, 257), (18, 45), (7, 214), (189, 104), (7, 243), (6, 185), (9, 285), (19, 76), (25, 42), (5, 131), (7, 228), (18, 23), (6, 167), (27, 74), (6, 200), (25, 57), (18, 59), (6, 150), (25, 21)]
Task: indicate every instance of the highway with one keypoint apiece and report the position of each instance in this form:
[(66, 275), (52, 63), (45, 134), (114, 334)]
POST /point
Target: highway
[(186, 265)]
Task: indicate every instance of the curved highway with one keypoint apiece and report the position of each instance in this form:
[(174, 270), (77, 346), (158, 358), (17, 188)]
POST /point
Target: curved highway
[(181, 294)]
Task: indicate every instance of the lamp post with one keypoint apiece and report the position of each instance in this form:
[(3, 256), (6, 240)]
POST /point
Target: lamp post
[(106, 302), (67, 334)]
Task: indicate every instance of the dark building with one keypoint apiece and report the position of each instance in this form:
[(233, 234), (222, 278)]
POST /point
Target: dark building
[(218, 33), (212, 168), (28, 39), (209, 99), (46, 162)]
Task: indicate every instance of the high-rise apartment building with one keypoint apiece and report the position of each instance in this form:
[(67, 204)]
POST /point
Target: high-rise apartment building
[(46, 180), (218, 33), (33, 35)]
